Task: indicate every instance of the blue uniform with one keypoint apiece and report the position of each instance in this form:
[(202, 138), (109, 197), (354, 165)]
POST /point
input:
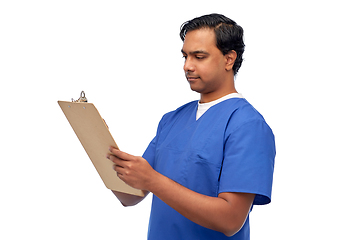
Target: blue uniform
[(228, 149)]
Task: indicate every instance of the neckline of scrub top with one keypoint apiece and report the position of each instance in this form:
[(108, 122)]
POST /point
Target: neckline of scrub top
[(203, 107)]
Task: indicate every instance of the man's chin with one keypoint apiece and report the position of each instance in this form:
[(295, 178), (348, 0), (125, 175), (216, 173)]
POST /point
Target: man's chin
[(195, 89)]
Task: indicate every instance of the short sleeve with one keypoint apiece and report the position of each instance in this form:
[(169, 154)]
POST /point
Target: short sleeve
[(149, 153), (248, 165)]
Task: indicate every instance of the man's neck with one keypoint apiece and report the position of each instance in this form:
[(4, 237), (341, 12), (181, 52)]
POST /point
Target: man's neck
[(209, 97), (226, 87)]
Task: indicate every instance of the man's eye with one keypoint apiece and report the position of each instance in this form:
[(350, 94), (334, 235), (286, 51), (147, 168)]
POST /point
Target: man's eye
[(184, 57), (200, 57)]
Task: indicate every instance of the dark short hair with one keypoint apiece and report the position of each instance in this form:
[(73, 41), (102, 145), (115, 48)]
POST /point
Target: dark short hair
[(229, 35)]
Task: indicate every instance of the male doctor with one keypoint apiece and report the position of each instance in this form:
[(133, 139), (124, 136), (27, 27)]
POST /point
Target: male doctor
[(211, 160)]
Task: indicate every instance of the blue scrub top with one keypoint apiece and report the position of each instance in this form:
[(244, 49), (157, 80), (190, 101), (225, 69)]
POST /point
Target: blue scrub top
[(228, 149)]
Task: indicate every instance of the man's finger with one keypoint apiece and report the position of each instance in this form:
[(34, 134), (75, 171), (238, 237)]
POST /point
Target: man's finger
[(120, 154)]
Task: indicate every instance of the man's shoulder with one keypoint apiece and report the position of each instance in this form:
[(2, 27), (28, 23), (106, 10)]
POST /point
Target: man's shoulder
[(191, 105), (248, 110), (184, 108), (244, 112)]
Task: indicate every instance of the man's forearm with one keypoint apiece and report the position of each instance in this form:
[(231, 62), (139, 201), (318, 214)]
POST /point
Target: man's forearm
[(226, 215)]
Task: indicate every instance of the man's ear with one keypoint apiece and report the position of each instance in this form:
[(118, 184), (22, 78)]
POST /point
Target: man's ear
[(230, 58)]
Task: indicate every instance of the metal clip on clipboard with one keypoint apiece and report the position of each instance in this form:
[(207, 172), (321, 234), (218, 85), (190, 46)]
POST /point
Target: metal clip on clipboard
[(82, 98)]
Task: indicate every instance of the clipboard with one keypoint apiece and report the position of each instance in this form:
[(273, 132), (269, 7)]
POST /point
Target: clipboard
[(96, 139)]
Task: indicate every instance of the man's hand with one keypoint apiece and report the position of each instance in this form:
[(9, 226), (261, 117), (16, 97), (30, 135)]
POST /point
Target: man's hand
[(133, 170)]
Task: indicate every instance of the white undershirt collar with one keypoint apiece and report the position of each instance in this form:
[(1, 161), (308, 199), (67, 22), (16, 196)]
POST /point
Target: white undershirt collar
[(203, 107)]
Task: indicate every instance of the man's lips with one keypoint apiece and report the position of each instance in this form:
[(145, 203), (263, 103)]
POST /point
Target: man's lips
[(191, 78)]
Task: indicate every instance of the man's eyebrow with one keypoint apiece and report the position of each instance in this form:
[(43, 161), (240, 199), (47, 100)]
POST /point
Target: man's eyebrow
[(196, 52)]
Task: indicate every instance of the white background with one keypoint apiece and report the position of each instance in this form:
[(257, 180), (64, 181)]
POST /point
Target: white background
[(301, 71)]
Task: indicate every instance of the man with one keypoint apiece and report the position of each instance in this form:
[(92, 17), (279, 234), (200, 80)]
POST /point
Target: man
[(211, 160)]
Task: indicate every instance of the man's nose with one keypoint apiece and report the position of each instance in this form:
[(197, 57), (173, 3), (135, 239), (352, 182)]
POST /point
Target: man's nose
[(189, 66)]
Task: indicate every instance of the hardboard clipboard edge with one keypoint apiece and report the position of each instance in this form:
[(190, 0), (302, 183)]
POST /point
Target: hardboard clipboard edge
[(96, 139)]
